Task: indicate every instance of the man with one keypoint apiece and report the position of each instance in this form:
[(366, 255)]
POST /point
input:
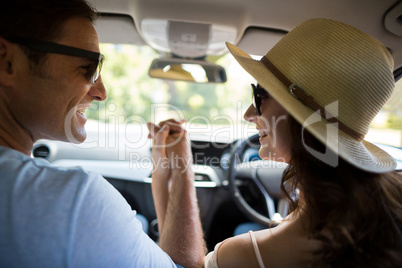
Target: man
[(49, 74)]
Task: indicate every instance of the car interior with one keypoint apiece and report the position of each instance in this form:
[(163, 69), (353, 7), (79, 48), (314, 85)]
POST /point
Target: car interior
[(168, 59)]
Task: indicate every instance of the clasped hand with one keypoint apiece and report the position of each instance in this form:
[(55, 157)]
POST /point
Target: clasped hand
[(171, 150)]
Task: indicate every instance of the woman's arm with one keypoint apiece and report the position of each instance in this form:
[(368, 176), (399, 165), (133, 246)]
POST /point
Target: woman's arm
[(181, 234), (161, 174)]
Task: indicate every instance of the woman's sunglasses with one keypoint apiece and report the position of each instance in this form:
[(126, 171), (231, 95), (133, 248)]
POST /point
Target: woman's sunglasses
[(50, 47), (258, 93)]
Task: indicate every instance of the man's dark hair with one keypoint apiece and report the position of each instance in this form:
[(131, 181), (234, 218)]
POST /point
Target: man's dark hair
[(40, 19)]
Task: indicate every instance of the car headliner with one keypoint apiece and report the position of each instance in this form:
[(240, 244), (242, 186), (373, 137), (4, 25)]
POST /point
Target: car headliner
[(259, 24)]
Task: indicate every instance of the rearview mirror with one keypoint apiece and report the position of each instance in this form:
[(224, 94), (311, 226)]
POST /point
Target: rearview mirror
[(187, 70)]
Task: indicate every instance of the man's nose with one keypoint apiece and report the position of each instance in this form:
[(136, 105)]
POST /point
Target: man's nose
[(98, 90)]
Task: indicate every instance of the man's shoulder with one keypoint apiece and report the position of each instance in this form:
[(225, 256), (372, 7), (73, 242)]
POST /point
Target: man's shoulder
[(20, 169), (36, 185)]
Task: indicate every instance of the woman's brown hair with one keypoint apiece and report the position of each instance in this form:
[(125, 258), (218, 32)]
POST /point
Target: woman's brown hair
[(356, 215)]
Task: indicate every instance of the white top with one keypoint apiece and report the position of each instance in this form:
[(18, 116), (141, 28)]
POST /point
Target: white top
[(52, 217), (256, 250)]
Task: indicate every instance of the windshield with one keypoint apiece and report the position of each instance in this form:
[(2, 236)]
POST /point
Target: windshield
[(211, 110)]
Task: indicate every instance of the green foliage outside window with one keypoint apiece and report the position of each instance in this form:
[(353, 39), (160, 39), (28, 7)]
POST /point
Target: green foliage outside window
[(132, 92)]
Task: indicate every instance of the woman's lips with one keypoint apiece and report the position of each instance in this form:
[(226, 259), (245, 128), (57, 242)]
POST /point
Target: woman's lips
[(262, 133)]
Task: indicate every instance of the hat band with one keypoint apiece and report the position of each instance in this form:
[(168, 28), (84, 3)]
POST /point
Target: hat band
[(299, 93)]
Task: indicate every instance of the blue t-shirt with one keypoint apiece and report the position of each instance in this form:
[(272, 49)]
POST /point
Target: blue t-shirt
[(52, 217)]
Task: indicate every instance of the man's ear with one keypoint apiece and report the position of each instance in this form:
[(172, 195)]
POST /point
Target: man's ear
[(7, 62)]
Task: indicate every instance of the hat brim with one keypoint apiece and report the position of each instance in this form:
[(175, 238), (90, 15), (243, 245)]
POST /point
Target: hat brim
[(362, 154)]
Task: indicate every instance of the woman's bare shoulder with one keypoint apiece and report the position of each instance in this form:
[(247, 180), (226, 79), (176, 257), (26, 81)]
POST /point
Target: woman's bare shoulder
[(237, 251), (287, 245)]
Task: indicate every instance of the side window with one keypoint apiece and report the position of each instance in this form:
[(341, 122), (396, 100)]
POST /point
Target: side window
[(387, 126)]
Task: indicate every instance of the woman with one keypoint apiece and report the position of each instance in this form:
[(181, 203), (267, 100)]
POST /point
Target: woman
[(328, 80)]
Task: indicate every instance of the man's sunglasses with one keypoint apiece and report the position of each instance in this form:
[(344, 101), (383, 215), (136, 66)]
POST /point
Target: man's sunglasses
[(258, 93), (50, 47)]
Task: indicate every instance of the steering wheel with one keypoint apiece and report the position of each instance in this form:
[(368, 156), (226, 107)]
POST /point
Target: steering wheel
[(267, 177)]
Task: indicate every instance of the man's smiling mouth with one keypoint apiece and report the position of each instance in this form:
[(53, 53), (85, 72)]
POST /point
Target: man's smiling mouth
[(81, 110)]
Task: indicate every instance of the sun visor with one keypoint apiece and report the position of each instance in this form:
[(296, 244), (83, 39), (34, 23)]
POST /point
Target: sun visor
[(258, 41), (393, 20), (121, 29)]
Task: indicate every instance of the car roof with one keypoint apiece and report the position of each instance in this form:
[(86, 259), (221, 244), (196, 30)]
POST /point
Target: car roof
[(257, 25)]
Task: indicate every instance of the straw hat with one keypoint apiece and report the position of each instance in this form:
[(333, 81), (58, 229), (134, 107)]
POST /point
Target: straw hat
[(333, 79)]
